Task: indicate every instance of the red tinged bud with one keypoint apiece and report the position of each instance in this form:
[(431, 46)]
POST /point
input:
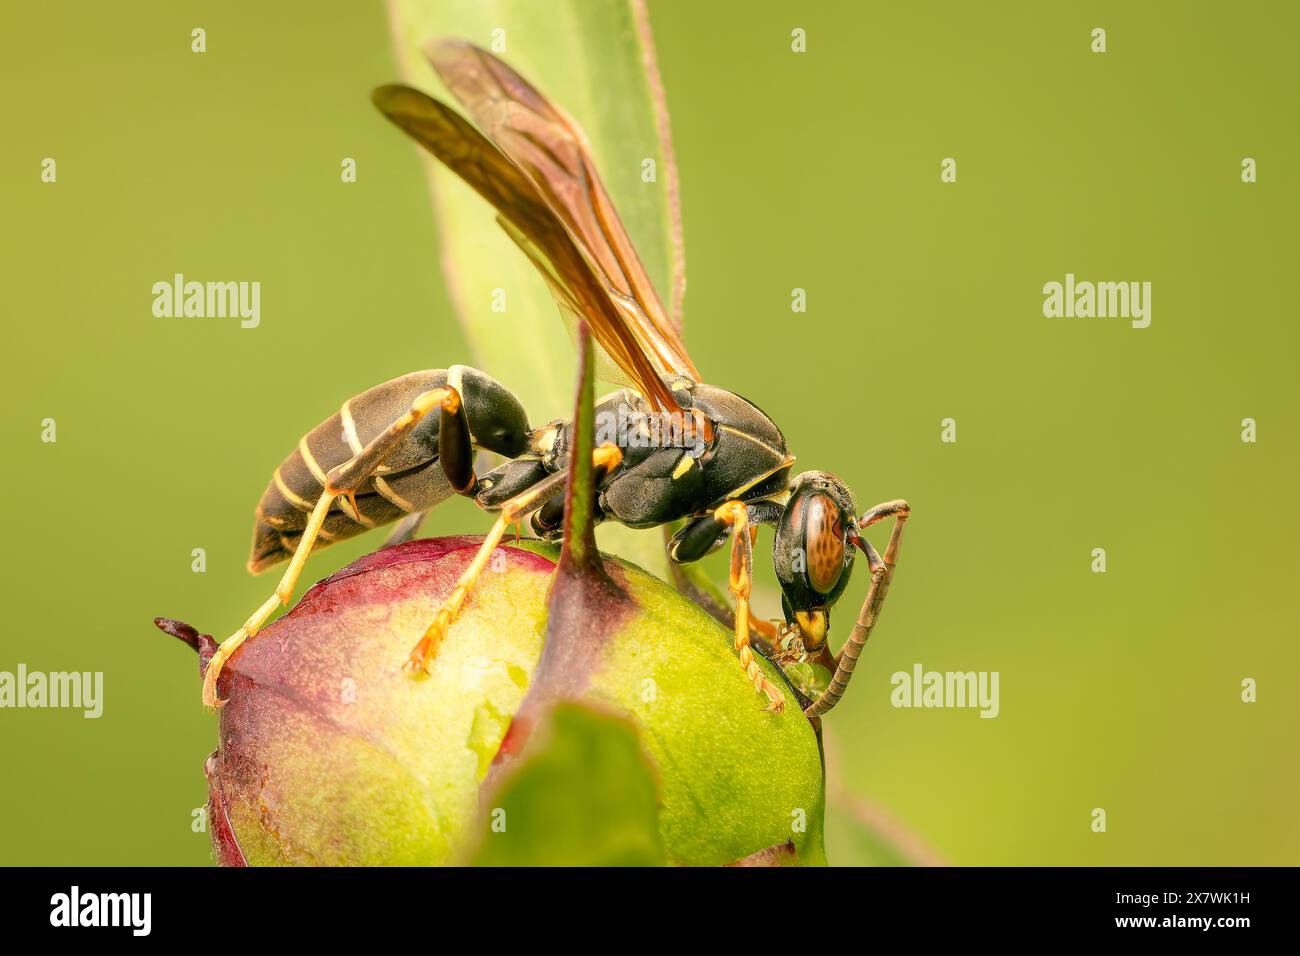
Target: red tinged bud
[(330, 754)]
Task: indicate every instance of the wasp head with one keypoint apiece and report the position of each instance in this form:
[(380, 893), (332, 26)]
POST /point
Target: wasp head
[(813, 556)]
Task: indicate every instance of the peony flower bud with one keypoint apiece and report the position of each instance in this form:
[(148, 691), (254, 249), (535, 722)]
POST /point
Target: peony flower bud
[(330, 755)]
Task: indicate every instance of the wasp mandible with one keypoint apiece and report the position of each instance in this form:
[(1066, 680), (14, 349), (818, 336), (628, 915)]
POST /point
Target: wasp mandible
[(397, 450)]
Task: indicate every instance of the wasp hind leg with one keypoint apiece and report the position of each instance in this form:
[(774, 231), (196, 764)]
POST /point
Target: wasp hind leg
[(344, 481), (511, 511)]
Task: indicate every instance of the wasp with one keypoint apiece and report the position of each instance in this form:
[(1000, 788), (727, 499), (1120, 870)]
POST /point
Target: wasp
[(680, 450)]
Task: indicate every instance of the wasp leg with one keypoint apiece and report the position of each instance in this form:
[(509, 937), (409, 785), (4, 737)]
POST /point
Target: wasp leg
[(700, 536), (455, 447), (882, 574), (735, 514), (898, 507), (511, 510), (343, 480), (765, 635)]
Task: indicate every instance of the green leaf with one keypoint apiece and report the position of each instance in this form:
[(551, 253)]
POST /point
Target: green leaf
[(589, 58), (583, 796)]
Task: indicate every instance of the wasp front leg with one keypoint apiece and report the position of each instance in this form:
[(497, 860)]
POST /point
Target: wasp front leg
[(765, 634), (343, 481), (736, 515)]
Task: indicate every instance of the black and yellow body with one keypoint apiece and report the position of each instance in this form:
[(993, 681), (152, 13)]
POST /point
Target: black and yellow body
[(671, 467)]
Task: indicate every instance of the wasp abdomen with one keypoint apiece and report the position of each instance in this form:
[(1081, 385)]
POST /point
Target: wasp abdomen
[(411, 479)]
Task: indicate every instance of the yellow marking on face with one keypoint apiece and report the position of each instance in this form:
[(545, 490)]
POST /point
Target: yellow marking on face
[(683, 467), (812, 625)]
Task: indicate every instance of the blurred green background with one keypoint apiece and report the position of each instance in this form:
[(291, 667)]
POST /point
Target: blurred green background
[(820, 171)]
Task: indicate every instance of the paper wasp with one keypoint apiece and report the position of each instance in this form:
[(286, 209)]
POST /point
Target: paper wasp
[(399, 449)]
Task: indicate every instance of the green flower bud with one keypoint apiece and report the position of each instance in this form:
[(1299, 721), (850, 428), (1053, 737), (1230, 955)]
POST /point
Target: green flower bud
[(330, 755)]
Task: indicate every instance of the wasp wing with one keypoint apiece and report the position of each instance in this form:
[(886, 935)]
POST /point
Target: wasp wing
[(607, 369), (552, 149), (474, 158)]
